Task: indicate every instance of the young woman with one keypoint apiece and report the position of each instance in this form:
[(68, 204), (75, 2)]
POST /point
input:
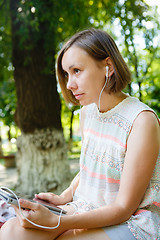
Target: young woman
[(117, 193)]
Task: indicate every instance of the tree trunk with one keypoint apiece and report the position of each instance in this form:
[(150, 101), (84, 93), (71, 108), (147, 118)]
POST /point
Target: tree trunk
[(71, 131), (140, 90), (9, 133), (71, 126), (42, 162), (41, 157)]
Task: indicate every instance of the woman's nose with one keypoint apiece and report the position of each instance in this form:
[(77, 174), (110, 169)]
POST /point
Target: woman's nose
[(71, 84)]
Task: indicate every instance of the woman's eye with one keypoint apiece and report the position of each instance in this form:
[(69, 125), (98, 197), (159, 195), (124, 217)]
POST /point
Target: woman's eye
[(76, 70)]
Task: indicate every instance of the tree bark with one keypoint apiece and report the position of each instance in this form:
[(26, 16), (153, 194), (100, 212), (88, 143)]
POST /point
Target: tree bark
[(41, 156)]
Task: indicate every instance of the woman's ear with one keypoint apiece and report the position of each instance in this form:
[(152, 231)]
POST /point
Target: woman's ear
[(110, 66)]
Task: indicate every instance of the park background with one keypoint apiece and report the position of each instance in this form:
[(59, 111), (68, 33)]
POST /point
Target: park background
[(37, 128)]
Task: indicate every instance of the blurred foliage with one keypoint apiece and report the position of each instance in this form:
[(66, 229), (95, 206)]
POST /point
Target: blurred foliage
[(136, 28), (46, 21), (133, 24), (7, 87)]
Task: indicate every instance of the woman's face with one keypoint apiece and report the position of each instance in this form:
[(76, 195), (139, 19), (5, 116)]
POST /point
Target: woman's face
[(86, 76)]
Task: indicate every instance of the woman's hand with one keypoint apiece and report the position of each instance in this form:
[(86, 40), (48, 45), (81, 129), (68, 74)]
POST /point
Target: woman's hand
[(50, 198), (35, 213)]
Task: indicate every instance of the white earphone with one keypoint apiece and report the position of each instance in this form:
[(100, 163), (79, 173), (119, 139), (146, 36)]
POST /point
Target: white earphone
[(107, 70)]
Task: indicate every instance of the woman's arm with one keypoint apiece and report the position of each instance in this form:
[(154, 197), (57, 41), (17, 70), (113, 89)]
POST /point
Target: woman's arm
[(67, 195), (142, 152)]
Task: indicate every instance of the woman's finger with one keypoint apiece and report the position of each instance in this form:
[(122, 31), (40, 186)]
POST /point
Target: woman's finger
[(45, 196), (28, 204)]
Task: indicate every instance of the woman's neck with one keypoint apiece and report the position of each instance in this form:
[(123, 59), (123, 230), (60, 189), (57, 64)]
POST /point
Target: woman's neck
[(109, 101)]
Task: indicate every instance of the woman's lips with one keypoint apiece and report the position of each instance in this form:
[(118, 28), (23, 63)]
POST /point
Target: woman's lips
[(78, 96)]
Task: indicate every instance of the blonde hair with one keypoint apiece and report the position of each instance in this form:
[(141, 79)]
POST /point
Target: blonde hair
[(99, 45)]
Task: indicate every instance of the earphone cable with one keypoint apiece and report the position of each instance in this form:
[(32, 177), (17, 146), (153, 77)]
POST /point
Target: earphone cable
[(102, 90), (37, 225)]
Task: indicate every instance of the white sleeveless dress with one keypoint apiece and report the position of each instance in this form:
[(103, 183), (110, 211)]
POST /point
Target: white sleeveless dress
[(101, 165)]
